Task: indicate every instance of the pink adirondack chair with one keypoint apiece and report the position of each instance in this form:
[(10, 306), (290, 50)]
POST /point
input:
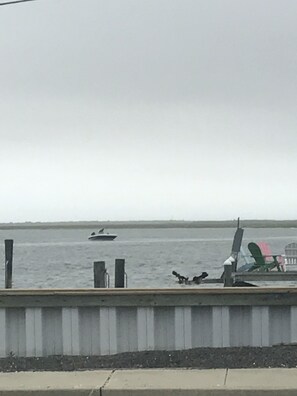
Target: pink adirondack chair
[(266, 251)]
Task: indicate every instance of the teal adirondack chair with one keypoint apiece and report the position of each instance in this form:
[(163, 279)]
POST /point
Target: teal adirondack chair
[(262, 263)]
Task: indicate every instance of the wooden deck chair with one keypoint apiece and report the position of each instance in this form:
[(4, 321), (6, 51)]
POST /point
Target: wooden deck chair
[(291, 254), (266, 251), (236, 245), (261, 264), (235, 250)]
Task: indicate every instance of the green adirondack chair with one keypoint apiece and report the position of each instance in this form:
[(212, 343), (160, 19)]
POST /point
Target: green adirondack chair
[(261, 262)]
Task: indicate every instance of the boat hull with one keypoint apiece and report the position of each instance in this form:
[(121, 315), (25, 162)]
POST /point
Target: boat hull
[(108, 237)]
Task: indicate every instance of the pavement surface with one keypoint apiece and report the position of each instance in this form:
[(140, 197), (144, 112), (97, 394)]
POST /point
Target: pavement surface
[(152, 382)]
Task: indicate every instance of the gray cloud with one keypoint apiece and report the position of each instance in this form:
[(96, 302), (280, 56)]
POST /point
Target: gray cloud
[(185, 107)]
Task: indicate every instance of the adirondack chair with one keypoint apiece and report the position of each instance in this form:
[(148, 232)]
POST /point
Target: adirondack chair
[(263, 263), (290, 257), (266, 251), (236, 245), (235, 249)]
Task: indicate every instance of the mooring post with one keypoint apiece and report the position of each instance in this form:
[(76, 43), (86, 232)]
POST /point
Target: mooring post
[(228, 280), (99, 274), (234, 265), (8, 262), (119, 273)]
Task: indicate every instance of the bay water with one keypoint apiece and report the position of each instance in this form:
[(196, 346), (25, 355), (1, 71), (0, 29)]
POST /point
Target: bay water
[(63, 258)]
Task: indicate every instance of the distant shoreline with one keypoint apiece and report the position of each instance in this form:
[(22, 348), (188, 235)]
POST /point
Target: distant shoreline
[(151, 224)]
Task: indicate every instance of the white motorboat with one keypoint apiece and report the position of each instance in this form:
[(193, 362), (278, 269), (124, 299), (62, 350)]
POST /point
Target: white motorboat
[(102, 236)]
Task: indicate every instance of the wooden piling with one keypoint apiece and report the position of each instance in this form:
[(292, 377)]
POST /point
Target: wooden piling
[(228, 280), (99, 274), (8, 262), (119, 273)]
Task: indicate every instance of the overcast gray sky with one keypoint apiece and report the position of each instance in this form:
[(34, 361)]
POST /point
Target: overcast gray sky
[(148, 109)]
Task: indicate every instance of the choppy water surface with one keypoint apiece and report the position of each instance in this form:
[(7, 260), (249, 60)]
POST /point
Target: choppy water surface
[(64, 258)]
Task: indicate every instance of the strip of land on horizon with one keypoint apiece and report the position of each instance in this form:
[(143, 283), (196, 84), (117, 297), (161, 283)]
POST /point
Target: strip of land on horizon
[(152, 224)]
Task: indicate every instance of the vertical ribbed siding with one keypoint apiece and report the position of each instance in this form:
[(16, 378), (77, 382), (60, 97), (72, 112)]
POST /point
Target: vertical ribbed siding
[(109, 330), (127, 329), (164, 328), (3, 328), (33, 321), (70, 331), (52, 331), (16, 331), (220, 327), (240, 326), (183, 328), (293, 324), (145, 329), (260, 326), (89, 331), (201, 327), (279, 325)]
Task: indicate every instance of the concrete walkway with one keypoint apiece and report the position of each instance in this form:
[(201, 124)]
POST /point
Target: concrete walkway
[(156, 382)]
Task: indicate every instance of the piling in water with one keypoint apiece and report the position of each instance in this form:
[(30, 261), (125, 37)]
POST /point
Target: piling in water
[(99, 274), (228, 280), (8, 262), (119, 273)]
